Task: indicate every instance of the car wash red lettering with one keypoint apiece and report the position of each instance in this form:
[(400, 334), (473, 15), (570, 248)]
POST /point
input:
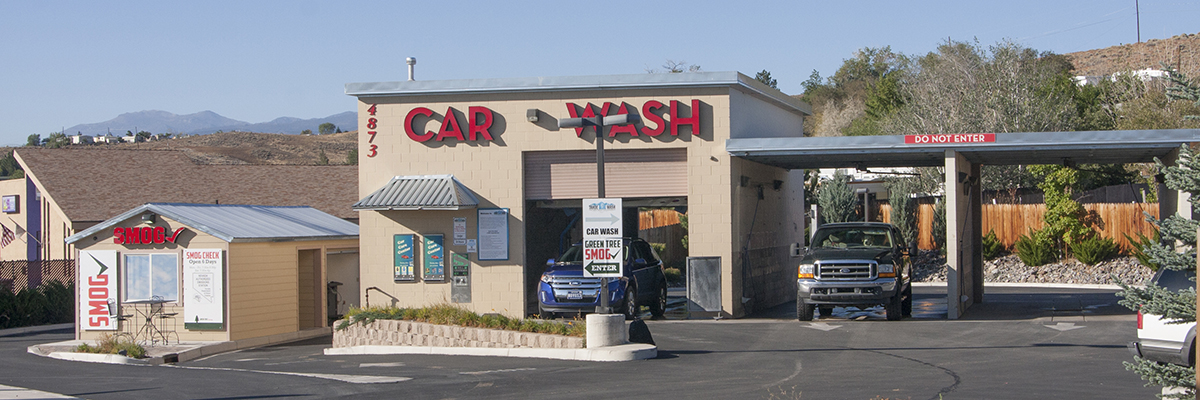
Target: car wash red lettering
[(653, 123), (479, 124)]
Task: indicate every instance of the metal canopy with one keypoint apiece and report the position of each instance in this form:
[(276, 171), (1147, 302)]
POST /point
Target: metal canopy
[(241, 223), (1090, 147), (420, 192)]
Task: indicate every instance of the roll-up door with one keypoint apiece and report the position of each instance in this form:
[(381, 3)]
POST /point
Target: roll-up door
[(557, 175)]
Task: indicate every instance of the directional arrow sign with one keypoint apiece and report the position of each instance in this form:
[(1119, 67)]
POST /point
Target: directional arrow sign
[(821, 326), (603, 248), (1064, 326)]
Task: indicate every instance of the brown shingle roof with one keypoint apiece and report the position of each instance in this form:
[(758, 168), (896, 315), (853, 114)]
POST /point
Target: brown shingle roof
[(96, 184)]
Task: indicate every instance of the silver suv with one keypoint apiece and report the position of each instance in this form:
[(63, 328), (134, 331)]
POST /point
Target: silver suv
[(862, 264), (1157, 338)]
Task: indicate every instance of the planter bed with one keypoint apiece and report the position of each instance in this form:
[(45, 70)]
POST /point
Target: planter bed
[(410, 333)]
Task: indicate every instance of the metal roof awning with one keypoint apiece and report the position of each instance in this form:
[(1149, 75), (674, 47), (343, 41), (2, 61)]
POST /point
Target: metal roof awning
[(241, 223), (1084, 147), (420, 192)]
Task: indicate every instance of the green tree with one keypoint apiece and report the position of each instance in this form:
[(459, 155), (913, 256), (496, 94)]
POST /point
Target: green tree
[(764, 76), (352, 157), (1066, 221), (306, 132), (836, 200), (904, 211), (1175, 230), (322, 159), (326, 128), (56, 140), (33, 140)]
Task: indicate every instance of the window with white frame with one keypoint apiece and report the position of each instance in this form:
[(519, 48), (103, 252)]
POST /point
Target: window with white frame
[(151, 276)]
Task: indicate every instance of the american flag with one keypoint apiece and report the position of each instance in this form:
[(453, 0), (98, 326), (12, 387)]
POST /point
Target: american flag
[(7, 237)]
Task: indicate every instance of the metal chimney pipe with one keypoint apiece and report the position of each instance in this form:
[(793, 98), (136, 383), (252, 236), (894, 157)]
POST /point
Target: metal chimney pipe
[(411, 61)]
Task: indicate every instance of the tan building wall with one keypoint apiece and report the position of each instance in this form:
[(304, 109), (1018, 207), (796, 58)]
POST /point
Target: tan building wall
[(493, 170), (53, 228)]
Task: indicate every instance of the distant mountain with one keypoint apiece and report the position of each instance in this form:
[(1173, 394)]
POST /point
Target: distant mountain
[(206, 122)]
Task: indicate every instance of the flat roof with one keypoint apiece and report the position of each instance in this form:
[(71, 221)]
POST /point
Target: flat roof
[(1027, 148), (579, 83)]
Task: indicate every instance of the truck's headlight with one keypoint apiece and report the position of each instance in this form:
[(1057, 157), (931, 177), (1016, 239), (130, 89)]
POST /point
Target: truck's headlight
[(887, 271), (545, 278), (805, 271)]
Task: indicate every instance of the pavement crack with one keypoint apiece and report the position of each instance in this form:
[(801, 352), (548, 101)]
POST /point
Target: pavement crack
[(940, 393)]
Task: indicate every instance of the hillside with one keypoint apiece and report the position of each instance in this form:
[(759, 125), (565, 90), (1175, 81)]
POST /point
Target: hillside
[(256, 148), (1181, 51)]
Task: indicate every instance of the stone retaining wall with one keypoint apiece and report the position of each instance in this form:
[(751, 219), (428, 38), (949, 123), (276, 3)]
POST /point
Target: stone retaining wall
[(410, 333)]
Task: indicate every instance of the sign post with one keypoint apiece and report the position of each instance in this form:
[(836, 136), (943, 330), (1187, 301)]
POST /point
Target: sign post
[(603, 247)]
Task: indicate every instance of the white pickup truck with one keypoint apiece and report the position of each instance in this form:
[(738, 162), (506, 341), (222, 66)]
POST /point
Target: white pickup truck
[(1157, 338)]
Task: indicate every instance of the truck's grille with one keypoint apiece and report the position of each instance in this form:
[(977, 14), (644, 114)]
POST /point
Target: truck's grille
[(567, 288), (846, 270)]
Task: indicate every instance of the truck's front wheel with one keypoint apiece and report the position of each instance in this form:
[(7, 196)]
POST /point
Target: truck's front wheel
[(804, 310), (894, 307)]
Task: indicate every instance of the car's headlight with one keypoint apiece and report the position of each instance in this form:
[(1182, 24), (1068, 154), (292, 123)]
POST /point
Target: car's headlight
[(887, 271), (805, 271), (546, 278)]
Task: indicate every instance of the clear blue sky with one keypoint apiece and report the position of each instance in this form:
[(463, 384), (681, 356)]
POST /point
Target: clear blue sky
[(67, 63)]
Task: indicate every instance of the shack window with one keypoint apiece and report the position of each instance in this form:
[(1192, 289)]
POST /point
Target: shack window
[(151, 276)]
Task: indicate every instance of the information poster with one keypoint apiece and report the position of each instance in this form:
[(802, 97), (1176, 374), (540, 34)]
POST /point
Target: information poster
[(97, 289), (203, 289), (460, 231), (435, 258), (404, 262), (493, 234)]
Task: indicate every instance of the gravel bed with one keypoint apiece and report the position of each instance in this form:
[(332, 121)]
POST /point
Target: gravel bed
[(930, 266)]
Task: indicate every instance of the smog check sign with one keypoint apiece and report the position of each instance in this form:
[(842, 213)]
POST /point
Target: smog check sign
[(602, 244)]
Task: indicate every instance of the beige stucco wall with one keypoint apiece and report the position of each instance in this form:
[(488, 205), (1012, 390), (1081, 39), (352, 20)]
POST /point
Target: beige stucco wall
[(493, 170), (54, 225)]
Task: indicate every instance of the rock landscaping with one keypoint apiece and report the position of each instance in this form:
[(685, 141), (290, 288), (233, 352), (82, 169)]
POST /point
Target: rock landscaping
[(930, 266), (412, 333)]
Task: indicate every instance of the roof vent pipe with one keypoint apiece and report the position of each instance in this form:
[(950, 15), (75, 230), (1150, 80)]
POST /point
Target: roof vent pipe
[(411, 61)]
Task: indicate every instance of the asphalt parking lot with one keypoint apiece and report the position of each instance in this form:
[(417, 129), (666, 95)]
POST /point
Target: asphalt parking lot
[(1021, 343)]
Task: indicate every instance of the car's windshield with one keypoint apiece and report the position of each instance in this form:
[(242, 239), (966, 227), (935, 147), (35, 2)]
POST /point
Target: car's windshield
[(852, 237), (573, 254)]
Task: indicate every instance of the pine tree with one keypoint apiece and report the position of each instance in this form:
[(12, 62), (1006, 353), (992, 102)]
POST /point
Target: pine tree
[(836, 199), (1177, 251)]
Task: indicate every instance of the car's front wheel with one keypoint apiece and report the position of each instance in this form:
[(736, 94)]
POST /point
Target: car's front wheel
[(631, 307), (894, 307)]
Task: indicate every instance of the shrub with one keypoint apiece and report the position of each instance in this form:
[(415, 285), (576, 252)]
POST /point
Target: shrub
[(1093, 250), (1036, 248), (445, 314), (991, 246), (674, 276), (109, 344), (1140, 245)]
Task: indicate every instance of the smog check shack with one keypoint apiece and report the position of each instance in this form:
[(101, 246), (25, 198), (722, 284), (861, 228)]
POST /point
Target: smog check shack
[(205, 272), (477, 175)]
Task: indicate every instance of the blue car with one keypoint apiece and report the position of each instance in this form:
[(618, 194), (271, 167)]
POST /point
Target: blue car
[(564, 289)]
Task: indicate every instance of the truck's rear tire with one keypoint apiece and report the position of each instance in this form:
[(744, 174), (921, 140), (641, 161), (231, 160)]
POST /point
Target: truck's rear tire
[(894, 307), (804, 310), (906, 306)]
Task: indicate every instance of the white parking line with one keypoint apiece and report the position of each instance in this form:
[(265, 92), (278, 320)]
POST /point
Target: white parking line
[(13, 392), (335, 377), (497, 371)]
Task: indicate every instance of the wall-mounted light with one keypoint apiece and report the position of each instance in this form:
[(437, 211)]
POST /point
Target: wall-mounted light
[(148, 218), (531, 115)]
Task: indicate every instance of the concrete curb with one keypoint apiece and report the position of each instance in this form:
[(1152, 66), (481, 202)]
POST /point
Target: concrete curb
[(187, 350), (35, 329), (624, 352), (1034, 285)]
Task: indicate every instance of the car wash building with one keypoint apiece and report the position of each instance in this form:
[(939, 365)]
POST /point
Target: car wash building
[(468, 187)]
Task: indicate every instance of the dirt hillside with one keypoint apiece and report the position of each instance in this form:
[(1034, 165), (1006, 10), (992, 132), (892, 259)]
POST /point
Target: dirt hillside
[(1181, 51), (256, 148)]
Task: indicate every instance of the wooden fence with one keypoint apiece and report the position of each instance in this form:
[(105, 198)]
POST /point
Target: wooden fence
[(1010, 221)]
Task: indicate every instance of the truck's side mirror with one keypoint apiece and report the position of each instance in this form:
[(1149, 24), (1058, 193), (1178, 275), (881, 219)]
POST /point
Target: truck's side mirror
[(913, 250), (796, 250), (550, 262)]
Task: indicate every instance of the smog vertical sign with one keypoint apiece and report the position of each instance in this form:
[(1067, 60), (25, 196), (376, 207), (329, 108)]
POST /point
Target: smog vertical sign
[(97, 289), (602, 244)]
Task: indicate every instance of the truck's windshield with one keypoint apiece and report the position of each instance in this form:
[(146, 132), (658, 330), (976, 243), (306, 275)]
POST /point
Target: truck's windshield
[(852, 237)]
